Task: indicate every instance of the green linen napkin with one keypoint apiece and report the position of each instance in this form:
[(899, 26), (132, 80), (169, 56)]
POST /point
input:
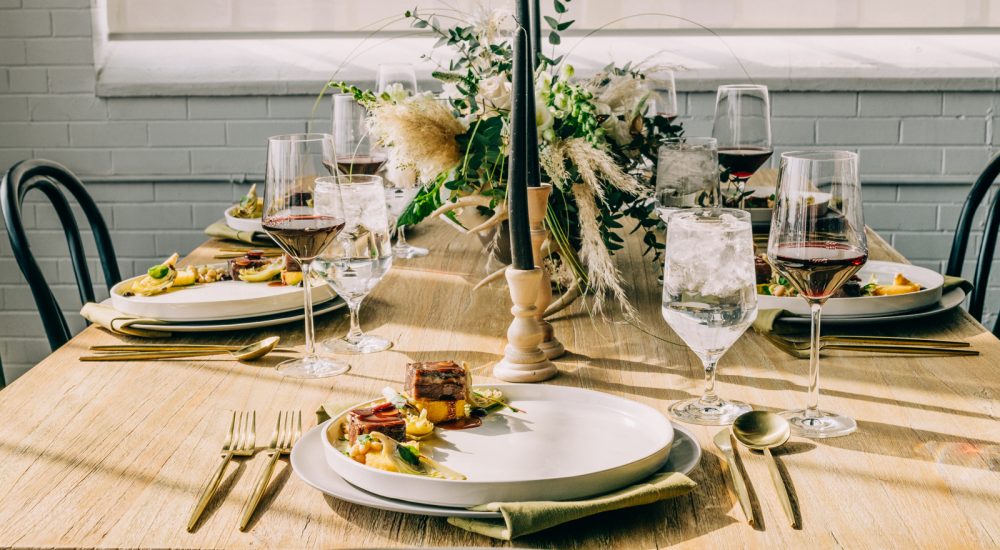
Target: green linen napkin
[(524, 518), (767, 317), (220, 230)]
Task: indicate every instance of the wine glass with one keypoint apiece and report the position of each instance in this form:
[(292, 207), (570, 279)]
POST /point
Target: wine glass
[(360, 255), (356, 152), (743, 129), (399, 79), (709, 298), (687, 174), (817, 250), (662, 93), (294, 162)]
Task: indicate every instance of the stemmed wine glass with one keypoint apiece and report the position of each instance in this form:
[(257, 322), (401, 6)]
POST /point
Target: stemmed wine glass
[(662, 93), (401, 185), (294, 162), (817, 251), (709, 298), (356, 153), (360, 256), (743, 130)]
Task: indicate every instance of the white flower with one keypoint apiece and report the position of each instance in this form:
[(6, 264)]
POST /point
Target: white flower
[(396, 92), (544, 82), (494, 93), (566, 72), (543, 116)]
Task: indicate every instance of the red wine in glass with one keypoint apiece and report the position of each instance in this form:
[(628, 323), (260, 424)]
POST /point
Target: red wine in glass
[(817, 269), (304, 236), (742, 162), (362, 165)]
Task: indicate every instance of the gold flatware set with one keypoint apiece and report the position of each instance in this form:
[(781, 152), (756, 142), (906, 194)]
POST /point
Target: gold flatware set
[(240, 441), (873, 344), (147, 352)]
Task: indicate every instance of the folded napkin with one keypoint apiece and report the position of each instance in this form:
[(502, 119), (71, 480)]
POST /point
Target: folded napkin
[(220, 230), (767, 317), (113, 320), (524, 518)]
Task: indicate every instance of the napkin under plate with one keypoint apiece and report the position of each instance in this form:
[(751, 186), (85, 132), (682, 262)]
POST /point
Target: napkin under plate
[(117, 322), (220, 230)]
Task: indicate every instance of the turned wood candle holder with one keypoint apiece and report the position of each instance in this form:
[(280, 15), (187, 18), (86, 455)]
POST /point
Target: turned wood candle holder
[(523, 361), (538, 201)]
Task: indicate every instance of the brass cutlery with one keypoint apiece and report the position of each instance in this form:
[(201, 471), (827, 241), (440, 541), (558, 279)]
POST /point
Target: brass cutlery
[(286, 432), (762, 431), (239, 442), (724, 441), (249, 352), (800, 350)]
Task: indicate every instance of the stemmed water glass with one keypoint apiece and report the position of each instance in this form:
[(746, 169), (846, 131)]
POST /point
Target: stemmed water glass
[(401, 185), (294, 162), (743, 129), (356, 151), (817, 250), (709, 298), (360, 255), (662, 93), (687, 174)]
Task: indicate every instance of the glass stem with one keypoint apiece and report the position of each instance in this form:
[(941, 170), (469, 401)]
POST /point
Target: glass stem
[(401, 237), (709, 395), (355, 334), (812, 404), (308, 309), (741, 184)]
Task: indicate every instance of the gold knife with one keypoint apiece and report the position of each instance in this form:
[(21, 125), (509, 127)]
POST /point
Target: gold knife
[(724, 441)]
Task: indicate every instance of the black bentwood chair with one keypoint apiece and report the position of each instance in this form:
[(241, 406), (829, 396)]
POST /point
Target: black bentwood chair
[(48, 177), (961, 241)]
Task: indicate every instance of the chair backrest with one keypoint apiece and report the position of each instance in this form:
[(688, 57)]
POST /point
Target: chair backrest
[(960, 243), (49, 177)]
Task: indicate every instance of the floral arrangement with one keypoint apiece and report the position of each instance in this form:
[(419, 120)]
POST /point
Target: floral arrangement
[(596, 144)]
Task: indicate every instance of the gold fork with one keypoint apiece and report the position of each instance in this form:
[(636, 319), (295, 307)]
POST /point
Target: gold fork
[(800, 350), (239, 442), (286, 432)]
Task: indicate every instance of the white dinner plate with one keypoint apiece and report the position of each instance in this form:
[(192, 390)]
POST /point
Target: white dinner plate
[(217, 301), (243, 323), (243, 224), (870, 306), (310, 465), (948, 302), (567, 443)]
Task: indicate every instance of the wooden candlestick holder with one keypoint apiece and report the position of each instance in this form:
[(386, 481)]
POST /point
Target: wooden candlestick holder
[(538, 201), (523, 361)]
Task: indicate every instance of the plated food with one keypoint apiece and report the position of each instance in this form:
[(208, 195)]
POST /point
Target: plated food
[(246, 215), (759, 201), (770, 283), (250, 268), (517, 442)]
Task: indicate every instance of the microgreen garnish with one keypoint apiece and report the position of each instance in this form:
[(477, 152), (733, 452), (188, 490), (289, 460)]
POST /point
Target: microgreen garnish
[(409, 454)]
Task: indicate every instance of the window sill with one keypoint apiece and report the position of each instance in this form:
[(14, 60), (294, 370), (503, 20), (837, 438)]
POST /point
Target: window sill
[(786, 62)]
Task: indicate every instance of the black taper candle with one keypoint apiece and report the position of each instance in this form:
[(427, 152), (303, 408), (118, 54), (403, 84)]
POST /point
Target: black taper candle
[(517, 188), (536, 32), (532, 172)]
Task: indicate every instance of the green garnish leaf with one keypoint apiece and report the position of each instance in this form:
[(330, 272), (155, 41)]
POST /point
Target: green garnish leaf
[(363, 439), (409, 454), (158, 271)]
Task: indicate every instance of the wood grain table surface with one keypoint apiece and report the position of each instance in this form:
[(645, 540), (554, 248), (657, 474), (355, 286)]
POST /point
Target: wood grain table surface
[(113, 454)]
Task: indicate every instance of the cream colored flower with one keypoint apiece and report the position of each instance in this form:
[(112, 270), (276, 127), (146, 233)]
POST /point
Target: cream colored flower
[(494, 94), (395, 92)]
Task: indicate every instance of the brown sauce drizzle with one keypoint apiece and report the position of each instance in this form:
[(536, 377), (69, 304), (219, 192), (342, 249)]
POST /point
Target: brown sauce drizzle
[(461, 423)]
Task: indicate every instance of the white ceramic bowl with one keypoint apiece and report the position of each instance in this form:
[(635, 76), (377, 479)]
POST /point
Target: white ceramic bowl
[(242, 224), (569, 443), (758, 215), (931, 281)]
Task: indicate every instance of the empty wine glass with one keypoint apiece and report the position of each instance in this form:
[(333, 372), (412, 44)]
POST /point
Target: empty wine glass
[(396, 77), (687, 174), (356, 151), (360, 255), (743, 130), (817, 250), (709, 298), (663, 93), (294, 162)]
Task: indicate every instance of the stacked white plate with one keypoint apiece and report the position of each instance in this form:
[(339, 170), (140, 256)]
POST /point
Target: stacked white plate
[(567, 443)]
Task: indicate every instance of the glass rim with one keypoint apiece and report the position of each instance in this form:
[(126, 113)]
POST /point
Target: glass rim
[(742, 87), (687, 213), (341, 180), (819, 156), (692, 140), (301, 137)]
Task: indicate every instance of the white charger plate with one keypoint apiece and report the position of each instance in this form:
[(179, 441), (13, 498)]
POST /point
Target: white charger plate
[(242, 224), (870, 306), (570, 443), (951, 300), (217, 301), (243, 323), (310, 465)]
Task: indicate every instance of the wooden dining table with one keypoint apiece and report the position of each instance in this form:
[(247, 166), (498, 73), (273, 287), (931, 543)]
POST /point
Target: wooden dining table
[(113, 454)]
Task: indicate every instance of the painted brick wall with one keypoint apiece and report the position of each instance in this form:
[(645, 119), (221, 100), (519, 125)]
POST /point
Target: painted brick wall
[(919, 153)]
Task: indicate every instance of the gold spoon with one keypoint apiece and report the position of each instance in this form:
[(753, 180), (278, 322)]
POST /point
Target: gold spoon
[(253, 351), (183, 348), (762, 431)]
